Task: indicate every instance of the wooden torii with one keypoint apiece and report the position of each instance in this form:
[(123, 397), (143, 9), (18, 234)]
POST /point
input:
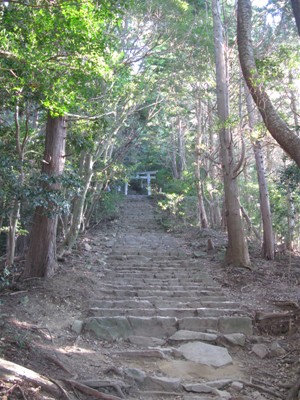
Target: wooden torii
[(145, 175)]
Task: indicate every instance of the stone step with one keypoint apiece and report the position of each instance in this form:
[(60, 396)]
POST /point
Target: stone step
[(146, 257), (123, 265), (146, 252), (163, 312), (159, 303), (112, 328), (159, 271), (123, 279), (142, 293), (122, 285)]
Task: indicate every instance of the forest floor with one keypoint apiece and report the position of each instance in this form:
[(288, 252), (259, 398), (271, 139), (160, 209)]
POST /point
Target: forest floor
[(38, 320)]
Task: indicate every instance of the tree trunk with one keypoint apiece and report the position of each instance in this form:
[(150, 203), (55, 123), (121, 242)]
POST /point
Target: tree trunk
[(175, 171), (41, 257), (11, 237), (79, 201), (289, 240), (265, 209), (15, 211), (278, 128), (202, 217), (181, 149), (214, 197), (294, 103), (237, 251), (296, 11), (94, 200)]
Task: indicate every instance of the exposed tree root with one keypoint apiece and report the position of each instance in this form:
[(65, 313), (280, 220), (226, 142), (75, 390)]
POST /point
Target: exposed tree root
[(90, 391), (95, 383), (263, 389)]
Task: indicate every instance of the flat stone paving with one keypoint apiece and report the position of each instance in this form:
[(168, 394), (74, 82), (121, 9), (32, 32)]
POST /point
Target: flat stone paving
[(166, 314)]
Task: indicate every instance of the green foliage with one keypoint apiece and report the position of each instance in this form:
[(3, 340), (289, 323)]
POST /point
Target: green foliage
[(5, 278), (53, 53), (109, 205)]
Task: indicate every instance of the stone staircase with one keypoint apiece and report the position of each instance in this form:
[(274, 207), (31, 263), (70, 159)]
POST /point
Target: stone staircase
[(175, 334)]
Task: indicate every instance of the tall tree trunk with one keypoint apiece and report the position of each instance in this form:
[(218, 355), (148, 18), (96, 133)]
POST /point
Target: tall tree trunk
[(265, 209), (237, 251), (214, 198), (278, 128), (41, 257), (15, 211), (202, 217), (296, 11), (12, 232), (181, 149), (294, 103), (174, 165), (79, 201), (289, 240)]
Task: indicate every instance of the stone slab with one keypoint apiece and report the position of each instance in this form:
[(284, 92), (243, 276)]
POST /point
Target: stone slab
[(198, 324), (236, 325), (146, 341), (109, 328), (163, 383), (184, 335), (153, 326), (206, 354)]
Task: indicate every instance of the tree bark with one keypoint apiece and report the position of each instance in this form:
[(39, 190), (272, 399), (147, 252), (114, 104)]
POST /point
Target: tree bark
[(265, 209), (175, 171), (15, 211), (202, 217), (79, 201), (181, 149), (41, 257), (278, 128), (296, 11), (237, 250)]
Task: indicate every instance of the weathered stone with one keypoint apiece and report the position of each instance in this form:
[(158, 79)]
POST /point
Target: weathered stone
[(109, 328), (276, 350), (198, 324), (206, 354), (153, 326), (137, 374), (188, 397), (199, 254), (258, 396), (219, 384), (77, 326), (237, 386), (146, 341), (236, 325), (87, 247), (235, 339), (152, 353), (163, 383), (192, 335), (223, 395), (198, 388), (261, 350)]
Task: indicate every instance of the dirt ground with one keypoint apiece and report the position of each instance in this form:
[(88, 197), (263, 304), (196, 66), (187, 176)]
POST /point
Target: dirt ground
[(37, 319)]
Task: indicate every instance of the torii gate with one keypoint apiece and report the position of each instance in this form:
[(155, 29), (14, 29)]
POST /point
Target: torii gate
[(145, 175)]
